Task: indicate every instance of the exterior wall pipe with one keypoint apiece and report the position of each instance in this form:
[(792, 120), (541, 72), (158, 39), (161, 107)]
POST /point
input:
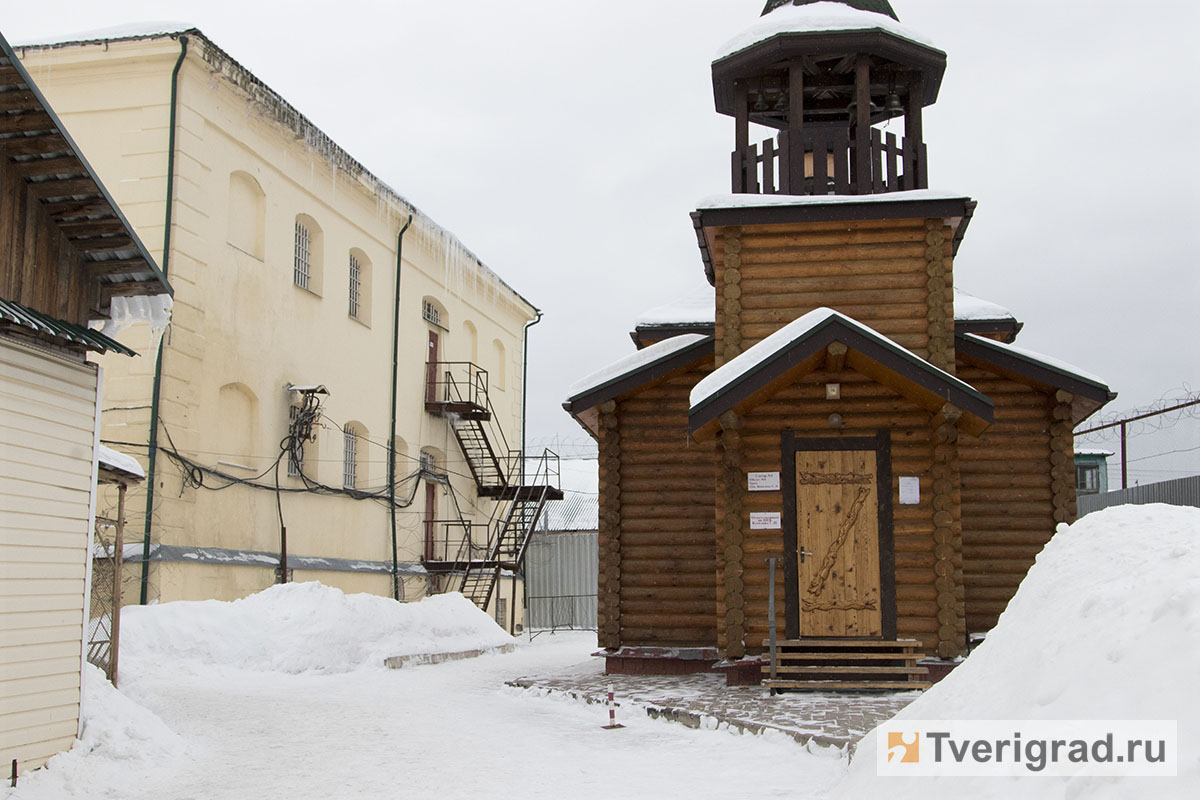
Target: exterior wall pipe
[(392, 438), (158, 362), (524, 397)]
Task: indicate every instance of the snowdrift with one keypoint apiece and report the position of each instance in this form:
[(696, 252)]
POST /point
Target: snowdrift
[(1105, 626), (303, 627)]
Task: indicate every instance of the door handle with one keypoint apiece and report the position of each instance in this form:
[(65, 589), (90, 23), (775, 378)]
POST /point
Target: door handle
[(803, 554)]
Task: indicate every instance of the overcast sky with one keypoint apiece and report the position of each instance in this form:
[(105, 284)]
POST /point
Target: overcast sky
[(566, 142)]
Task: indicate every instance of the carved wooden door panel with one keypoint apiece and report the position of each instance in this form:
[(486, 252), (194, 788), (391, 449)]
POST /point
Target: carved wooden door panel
[(837, 543)]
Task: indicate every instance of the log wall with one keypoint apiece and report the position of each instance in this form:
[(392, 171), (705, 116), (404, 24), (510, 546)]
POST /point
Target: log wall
[(866, 407), (657, 531), (895, 276), (1015, 481), (38, 266)]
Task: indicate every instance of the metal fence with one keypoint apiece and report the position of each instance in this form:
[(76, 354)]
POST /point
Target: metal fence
[(103, 634), (561, 571), (1180, 492)]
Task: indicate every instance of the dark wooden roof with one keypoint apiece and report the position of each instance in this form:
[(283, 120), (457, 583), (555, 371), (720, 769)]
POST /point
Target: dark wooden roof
[(46, 326), (870, 353), (35, 141), (878, 6), (1090, 394)]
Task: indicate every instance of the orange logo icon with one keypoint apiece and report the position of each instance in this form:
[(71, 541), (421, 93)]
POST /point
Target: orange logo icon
[(904, 748)]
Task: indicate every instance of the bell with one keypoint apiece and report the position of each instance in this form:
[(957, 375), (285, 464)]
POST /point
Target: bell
[(760, 104), (852, 110), (893, 107), (782, 105)]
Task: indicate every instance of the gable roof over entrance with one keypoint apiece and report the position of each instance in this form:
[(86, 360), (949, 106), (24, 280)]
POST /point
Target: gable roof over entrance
[(803, 346)]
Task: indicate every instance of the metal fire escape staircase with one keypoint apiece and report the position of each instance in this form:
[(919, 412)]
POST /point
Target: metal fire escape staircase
[(520, 486)]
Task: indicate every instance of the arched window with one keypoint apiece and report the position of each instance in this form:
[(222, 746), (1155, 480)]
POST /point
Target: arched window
[(404, 467), (354, 457), (308, 261), (500, 371), (247, 215), (360, 286), (471, 341), (237, 431)]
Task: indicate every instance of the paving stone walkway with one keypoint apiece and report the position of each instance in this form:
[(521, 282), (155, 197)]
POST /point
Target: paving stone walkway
[(704, 701)]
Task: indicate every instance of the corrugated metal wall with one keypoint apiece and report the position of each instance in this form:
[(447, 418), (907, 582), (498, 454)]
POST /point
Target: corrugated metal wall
[(1181, 492), (561, 575)]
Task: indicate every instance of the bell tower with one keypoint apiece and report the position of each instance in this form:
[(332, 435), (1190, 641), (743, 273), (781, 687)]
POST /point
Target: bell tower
[(824, 74)]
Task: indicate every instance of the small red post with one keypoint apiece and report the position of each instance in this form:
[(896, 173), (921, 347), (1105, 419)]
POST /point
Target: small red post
[(612, 711)]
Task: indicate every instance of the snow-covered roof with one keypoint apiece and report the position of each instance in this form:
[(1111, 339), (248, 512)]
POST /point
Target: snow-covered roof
[(770, 200), (1050, 363), (129, 30), (771, 347), (119, 462), (697, 307), (823, 17), (634, 362), (1094, 451), (755, 370), (969, 308)]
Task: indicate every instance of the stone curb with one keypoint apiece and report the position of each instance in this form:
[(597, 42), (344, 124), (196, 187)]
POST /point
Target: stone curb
[(692, 719), (399, 662)]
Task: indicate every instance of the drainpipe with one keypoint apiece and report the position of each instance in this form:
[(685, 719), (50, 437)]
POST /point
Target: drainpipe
[(158, 362), (524, 395), (392, 439)]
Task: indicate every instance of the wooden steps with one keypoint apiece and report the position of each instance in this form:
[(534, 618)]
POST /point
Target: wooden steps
[(840, 665)]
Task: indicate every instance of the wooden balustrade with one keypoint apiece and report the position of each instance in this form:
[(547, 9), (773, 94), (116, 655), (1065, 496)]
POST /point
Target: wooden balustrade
[(829, 166)]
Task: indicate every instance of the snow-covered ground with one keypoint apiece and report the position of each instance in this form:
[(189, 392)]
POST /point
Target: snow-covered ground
[(295, 718), (1106, 626), (283, 694)]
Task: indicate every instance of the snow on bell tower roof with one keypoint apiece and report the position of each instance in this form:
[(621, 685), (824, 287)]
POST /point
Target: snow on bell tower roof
[(821, 16), (877, 6)]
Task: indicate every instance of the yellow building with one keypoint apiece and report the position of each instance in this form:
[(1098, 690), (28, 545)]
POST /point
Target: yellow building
[(277, 367)]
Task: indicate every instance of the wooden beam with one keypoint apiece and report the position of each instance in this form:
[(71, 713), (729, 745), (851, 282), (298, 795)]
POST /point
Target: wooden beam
[(92, 227), (77, 208), (118, 266), (862, 132), (18, 101), (65, 187), (33, 145), (104, 245), (10, 77), (795, 177), (835, 357), (61, 165), (23, 123), (111, 290)]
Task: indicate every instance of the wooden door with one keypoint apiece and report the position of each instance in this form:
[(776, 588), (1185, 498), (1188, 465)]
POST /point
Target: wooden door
[(430, 519), (431, 370), (837, 543)]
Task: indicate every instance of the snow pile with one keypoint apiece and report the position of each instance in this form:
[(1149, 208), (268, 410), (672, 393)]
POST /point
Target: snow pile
[(131, 30), (303, 627), (816, 18), (119, 738), (1105, 626), (771, 200)]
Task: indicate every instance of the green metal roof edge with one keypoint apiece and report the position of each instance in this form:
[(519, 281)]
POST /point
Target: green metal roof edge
[(44, 323)]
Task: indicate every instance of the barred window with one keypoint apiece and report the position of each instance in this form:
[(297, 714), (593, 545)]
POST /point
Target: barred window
[(303, 265), (355, 285), (349, 458), (431, 314)]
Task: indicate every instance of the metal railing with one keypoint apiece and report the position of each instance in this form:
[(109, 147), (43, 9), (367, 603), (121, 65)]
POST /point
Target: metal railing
[(455, 540), (456, 382)]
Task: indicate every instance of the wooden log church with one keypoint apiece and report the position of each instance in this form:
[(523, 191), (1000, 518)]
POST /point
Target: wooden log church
[(837, 426)]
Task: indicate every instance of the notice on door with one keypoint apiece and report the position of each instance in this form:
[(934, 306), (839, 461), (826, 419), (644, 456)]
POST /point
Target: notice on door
[(910, 491), (764, 481), (766, 521)]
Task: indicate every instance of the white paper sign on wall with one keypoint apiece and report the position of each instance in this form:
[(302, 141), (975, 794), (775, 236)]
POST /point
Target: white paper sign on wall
[(766, 521), (910, 491), (764, 481)]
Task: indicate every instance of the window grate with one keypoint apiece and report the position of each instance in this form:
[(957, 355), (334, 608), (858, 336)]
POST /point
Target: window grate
[(303, 262), (349, 459), (431, 314), (354, 286)]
